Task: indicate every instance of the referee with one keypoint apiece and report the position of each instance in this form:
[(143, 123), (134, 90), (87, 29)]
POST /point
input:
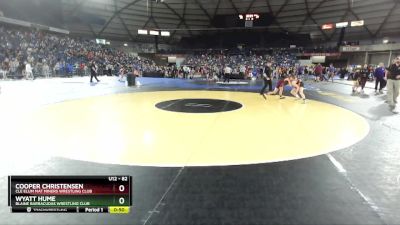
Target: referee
[(93, 72), (266, 75)]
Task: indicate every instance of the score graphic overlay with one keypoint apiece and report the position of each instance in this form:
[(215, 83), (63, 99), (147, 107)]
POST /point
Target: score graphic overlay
[(70, 194)]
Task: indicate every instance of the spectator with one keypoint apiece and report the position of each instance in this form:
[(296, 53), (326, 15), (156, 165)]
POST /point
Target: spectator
[(318, 72), (227, 73), (28, 71), (379, 75), (393, 84), (331, 72), (46, 70), (342, 72), (363, 77)]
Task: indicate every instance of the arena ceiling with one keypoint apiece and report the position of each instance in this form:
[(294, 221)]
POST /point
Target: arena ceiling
[(120, 19)]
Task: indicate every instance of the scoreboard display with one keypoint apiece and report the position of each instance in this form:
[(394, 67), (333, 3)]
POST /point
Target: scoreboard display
[(70, 194), (235, 20), (249, 17)]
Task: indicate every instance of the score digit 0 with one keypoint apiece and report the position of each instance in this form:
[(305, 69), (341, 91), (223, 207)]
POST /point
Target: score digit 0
[(121, 188), (121, 200)]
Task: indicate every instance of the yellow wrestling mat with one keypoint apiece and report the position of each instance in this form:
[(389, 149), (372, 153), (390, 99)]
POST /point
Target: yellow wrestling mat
[(128, 129)]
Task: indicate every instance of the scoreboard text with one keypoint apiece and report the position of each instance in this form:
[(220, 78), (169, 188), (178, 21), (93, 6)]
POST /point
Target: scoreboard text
[(70, 194)]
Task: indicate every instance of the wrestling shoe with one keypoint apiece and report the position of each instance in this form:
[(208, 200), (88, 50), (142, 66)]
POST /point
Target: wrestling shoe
[(396, 110)]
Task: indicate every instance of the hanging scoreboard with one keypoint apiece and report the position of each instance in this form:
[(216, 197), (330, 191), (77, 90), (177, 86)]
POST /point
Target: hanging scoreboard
[(240, 20), (70, 194), (249, 17)]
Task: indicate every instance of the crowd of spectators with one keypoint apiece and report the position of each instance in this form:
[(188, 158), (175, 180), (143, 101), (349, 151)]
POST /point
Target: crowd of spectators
[(50, 54), (248, 64), (54, 54)]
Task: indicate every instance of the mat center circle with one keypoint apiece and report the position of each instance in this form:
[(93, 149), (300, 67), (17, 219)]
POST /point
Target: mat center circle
[(198, 105), (127, 129)]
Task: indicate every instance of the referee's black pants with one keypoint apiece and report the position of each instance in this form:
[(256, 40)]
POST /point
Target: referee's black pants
[(95, 77), (267, 83), (381, 82), (226, 77)]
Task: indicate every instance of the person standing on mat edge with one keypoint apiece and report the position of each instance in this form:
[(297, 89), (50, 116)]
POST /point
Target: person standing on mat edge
[(227, 73), (93, 72), (363, 77), (331, 72), (393, 84), (318, 72), (379, 75), (266, 75)]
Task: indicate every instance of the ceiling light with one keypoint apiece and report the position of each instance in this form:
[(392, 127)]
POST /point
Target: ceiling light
[(357, 23), (342, 24), (385, 40), (327, 26), (142, 32), (154, 32), (165, 33)]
